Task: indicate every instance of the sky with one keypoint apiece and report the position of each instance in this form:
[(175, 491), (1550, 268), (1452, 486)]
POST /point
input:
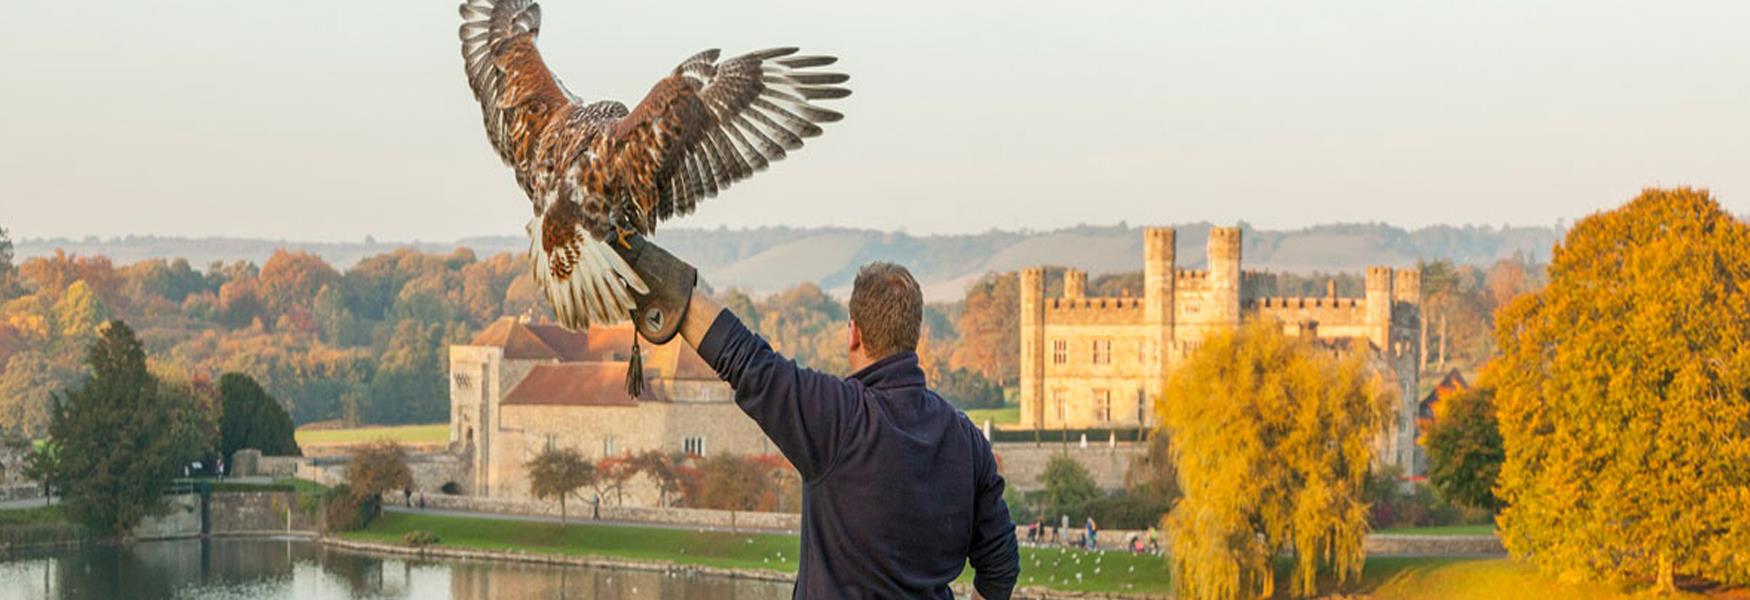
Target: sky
[(332, 121)]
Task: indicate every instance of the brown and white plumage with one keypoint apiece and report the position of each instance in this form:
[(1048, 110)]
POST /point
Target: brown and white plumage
[(597, 170)]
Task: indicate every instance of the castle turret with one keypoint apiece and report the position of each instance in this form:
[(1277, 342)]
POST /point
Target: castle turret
[(1075, 284), (1158, 265), (1033, 347), (1224, 276), (1407, 286), (1379, 301)]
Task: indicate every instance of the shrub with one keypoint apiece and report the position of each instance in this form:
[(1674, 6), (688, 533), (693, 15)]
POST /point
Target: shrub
[(348, 511)]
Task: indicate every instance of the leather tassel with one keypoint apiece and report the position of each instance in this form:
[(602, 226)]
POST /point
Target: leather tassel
[(635, 370)]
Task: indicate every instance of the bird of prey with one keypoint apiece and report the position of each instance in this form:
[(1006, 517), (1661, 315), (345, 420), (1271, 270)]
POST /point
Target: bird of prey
[(598, 173)]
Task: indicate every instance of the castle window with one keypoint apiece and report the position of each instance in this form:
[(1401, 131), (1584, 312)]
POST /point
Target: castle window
[(1102, 404), (552, 441), (1059, 352), (1141, 407), (463, 381), (1102, 352), (608, 446), (694, 445), (1057, 400)]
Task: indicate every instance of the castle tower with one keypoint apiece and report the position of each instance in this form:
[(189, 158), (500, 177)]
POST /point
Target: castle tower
[(1379, 301), (1033, 347), (1075, 284), (1158, 265), (1224, 277)]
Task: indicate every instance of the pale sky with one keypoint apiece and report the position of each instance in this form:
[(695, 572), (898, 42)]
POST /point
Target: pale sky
[(334, 120)]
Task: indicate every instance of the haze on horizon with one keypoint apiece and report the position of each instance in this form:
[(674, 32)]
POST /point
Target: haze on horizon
[(333, 121)]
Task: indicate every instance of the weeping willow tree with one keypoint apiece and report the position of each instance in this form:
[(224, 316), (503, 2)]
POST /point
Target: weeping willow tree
[(1272, 438)]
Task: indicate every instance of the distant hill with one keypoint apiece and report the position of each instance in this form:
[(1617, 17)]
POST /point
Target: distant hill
[(769, 259)]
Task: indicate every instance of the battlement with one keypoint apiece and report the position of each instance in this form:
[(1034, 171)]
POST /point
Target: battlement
[(1071, 304), (1224, 243), (1304, 302)]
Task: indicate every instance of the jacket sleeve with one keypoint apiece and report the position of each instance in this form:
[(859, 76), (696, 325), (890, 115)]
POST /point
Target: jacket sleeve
[(994, 555), (804, 412)]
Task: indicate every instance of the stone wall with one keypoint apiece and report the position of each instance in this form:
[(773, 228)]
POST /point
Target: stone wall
[(20, 491), (430, 471), (1434, 545), (581, 511), (278, 466), (183, 519), (1024, 462), (245, 513)]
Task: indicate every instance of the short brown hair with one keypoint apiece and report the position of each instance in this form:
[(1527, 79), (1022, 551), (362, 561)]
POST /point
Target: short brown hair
[(888, 308)]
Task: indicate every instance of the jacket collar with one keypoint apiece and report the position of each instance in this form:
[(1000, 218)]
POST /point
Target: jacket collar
[(894, 371)]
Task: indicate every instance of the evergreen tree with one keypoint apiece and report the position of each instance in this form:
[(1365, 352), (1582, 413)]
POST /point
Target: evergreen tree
[(1068, 487), (1464, 447), (253, 419), (1623, 394), (120, 438)]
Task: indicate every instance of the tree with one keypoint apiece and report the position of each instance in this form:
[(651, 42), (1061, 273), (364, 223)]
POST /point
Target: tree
[(27, 388), (614, 472), (378, 468), (559, 473), (79, 312), (990, 329), (119, 436), (1464, 446), (1622, 393), (727, 482), (292, 279), (1068, 487), (8, 272), (1272, 438), (660, 468), (252, 419)]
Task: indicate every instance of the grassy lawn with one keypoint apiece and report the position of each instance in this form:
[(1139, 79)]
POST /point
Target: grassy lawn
[(405, 434), (1007, 415), (30, 516), (1445, 530), (1055, 568), (1463, 579), (1382, 578)]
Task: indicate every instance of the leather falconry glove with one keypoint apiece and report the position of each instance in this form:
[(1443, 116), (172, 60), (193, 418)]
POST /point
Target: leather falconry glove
[(658, 314)]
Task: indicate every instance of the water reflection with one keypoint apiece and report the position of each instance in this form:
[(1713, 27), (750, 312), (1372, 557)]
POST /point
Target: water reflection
[(223, 569)]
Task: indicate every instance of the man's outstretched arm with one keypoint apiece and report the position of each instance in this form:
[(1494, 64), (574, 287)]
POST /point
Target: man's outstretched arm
[(803, 411)]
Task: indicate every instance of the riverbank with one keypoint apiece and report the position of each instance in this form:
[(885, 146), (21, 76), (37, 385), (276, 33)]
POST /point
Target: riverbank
[(1045, 572)]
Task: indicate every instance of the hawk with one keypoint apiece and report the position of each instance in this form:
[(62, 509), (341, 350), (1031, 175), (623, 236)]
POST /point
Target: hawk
[(598, 173)]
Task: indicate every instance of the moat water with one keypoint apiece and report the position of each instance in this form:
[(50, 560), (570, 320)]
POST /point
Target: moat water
[(290, 568)]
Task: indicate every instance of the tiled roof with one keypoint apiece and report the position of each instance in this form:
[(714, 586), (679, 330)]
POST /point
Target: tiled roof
[(575, 384), (528, 341), (613, 342), (569, 345)]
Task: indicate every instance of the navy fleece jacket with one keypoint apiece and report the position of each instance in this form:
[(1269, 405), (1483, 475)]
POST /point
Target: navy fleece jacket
[(900, 490)]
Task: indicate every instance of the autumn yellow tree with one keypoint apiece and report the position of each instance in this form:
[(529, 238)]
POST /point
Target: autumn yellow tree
[(1272, 438), (1623, 396)]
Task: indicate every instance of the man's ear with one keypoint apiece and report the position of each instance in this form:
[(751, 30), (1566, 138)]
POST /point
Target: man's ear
[(856, 337)]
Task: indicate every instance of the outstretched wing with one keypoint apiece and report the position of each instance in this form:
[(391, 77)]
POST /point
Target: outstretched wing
[(517, 94), (711, 124)]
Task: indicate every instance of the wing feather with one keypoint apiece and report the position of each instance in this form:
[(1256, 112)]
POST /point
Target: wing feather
[(714, 123), (518, 95)]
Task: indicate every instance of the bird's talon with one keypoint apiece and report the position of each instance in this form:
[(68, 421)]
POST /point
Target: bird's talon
[(626, 234)]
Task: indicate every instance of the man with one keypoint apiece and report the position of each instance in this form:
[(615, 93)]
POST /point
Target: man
[(900, 490)]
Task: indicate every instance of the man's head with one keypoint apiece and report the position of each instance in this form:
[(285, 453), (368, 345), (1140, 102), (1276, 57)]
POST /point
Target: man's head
[(887, 310)]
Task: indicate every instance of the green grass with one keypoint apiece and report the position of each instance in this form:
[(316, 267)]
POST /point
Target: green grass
[(1406, 578), (405, 434), (1444, 530), (1007, 415), (30, 516), (1054, 568), (1479, 579), (302, 486)]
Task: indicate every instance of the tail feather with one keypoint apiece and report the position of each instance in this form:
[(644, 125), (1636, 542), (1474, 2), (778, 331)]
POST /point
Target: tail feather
[(596, 288)]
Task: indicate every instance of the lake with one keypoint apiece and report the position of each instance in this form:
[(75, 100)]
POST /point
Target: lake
[(292, 568)]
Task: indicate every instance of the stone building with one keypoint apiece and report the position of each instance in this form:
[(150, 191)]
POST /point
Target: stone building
[(520, 387), (1090, 362)]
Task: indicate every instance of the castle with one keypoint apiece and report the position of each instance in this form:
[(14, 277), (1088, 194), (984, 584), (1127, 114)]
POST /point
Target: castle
[(1093, 362), (520, 387)]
